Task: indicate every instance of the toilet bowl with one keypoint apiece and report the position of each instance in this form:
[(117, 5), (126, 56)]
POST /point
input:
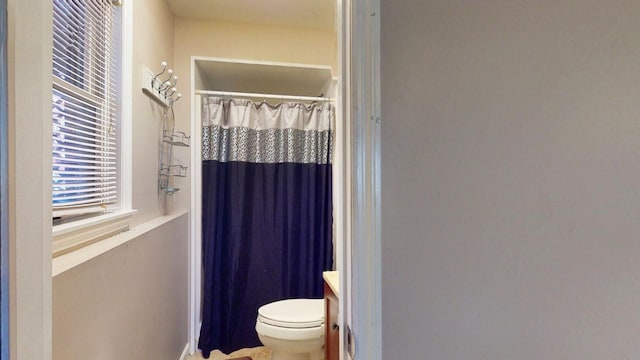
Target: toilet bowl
[(293, 329)]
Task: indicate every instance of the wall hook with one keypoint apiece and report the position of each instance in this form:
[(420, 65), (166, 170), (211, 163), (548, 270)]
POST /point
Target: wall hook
[(170, 72), (164, 68), (169, 84), (173, 100)]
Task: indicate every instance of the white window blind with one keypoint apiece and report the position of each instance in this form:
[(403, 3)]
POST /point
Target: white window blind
[(85, 106)]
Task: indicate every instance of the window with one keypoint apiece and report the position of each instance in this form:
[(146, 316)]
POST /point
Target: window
[(86, 113), (84, 106)]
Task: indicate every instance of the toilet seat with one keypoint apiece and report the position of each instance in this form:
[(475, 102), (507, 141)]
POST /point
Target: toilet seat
[(293, 313)]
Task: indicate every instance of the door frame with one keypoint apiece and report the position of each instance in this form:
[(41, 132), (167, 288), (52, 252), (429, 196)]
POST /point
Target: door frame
[(4, 188), (361, 283)]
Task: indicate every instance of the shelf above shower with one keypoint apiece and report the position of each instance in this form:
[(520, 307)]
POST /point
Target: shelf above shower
[(265, 77)]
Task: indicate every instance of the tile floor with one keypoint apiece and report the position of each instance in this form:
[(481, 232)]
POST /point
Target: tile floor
[(257, 353)]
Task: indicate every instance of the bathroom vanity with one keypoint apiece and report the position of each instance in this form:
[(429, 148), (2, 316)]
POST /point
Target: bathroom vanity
[(332, 330)]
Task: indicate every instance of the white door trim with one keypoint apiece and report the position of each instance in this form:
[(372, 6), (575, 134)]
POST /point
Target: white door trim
[(4, 187), (29, 55), (364, 280), (195, 226), (342, 169)]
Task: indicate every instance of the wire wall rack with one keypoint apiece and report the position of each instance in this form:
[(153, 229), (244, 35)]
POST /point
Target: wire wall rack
[(161, 87)]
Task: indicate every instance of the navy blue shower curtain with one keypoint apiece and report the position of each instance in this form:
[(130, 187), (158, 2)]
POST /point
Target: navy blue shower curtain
[(267, 213)]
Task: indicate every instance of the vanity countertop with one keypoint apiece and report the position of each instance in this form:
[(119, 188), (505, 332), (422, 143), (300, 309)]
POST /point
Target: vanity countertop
[(333, 280)]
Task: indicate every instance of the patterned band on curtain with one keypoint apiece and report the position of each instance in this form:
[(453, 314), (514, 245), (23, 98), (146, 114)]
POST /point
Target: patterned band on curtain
[(242, 130), (266, 212)]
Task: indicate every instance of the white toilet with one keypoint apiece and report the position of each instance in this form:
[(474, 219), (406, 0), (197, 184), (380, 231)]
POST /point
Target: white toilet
[(293, 329)]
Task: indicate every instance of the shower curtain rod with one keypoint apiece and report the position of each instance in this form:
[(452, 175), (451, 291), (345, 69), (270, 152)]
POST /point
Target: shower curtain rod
[(262, 96)]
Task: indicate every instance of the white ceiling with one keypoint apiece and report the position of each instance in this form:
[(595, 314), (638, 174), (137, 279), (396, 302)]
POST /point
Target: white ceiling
[(309, 14)]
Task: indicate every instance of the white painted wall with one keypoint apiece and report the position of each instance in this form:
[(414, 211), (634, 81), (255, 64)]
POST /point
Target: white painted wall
[(510, 189)]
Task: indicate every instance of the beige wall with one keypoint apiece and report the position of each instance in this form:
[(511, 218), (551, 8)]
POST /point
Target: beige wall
[(129, 303), (253, 42), (510, 144), (153, 26), (242, 41)]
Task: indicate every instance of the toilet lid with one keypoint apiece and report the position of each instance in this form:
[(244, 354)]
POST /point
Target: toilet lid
[(293, 313)]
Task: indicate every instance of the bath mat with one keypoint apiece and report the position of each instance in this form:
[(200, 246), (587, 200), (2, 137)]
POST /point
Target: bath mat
[(257, 353)]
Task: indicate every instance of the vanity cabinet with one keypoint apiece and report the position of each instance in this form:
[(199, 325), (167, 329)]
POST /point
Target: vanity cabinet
[(332, 331)]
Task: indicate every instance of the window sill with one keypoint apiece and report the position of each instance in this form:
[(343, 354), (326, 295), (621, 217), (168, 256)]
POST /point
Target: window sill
[(76, 234), (75, 258)]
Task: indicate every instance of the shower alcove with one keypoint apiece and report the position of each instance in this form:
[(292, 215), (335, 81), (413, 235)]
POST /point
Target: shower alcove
[(272, 82)]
